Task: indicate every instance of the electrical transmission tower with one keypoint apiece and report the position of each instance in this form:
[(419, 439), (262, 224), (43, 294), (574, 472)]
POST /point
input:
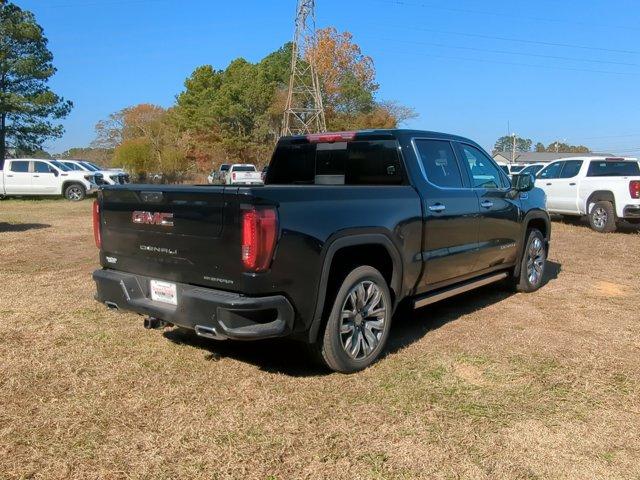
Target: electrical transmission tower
[(304, 112)]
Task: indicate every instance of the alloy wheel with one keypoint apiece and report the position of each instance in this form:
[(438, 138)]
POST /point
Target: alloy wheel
[(600, 217), (535, 261), (363, 318)]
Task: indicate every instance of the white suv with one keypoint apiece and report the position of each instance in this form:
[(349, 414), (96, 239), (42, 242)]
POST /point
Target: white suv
[(604, 189), (30, 176)]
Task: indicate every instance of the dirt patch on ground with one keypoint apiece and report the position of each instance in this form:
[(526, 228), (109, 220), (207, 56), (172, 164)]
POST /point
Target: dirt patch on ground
[(488, 385)]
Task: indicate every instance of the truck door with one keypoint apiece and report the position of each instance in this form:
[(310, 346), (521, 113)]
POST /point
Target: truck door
[(17, 179), (44, 179), (450, 214), (548, 181), (565, 187), (500, 228)]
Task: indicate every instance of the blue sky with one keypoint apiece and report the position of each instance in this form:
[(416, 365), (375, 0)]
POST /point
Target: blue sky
[(553, 70)]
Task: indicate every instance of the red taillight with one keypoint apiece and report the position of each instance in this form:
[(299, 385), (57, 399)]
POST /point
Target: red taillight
[(259, 234), (233, 175), (331, 137), (97, 236), (634, 188)]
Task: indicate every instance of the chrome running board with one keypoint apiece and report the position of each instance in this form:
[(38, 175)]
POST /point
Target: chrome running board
[(455, 290)]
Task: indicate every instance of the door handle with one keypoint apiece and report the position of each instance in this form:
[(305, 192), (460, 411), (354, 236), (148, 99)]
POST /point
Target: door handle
[(486, 204), (9, 175), (438, 207), (36, 176), (549, 183), (572, 184)]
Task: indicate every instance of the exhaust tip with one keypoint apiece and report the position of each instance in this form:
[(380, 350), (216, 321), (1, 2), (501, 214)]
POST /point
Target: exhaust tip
[(112, 305), (208, 332)]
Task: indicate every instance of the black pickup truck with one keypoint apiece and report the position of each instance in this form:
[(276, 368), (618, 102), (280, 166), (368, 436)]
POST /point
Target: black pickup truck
[(347, 226)]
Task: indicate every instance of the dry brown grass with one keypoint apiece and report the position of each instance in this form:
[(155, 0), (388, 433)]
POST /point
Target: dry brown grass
[(488, 385)]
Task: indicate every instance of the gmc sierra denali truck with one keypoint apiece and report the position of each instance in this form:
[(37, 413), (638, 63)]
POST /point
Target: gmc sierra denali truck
[(348, 226)]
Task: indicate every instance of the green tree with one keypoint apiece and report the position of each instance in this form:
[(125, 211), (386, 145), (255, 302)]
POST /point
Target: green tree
[(540, 147), (566, 148), (28, 108), (505, 144)]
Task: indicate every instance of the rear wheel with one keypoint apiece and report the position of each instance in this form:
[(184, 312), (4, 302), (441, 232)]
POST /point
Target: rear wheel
[(532, 264), (358, 326), (602, 217), (75, 192)]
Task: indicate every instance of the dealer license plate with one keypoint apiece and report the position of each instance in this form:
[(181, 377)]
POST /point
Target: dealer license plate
[(165, 292)]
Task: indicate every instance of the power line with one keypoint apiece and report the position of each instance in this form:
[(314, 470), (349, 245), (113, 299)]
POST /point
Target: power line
[(518, 64), (519, 40), (432, 6), (507, 52)]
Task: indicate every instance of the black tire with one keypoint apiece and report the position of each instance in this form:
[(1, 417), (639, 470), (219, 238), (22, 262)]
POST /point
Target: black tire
[(602, 217), (531, 280), (331, 347), (75, 192)]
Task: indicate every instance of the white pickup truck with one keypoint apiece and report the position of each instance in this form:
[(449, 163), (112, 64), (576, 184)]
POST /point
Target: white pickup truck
[(103, 177), (243, 174), (27, 176), (606, 190)]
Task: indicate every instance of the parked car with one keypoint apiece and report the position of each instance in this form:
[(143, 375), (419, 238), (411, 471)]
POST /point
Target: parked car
[(243, 174), (606, 190), (26, 176), (533, 168), (349, 226), (220, 175), (107, 177)]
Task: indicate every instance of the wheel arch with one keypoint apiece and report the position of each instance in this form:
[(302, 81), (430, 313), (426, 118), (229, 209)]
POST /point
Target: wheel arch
[(362, 244), (599, 196), (534, 219)]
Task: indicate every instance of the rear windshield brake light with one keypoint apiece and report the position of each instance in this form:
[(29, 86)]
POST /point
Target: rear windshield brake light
[(331, 137)]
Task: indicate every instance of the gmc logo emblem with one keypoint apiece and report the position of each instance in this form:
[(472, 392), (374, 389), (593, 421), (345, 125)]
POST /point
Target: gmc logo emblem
[(153, 218)]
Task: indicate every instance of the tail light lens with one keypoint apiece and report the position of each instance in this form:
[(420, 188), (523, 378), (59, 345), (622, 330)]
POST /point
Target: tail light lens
[(97, 236), (233, 175), (259, 235), (634, 188)]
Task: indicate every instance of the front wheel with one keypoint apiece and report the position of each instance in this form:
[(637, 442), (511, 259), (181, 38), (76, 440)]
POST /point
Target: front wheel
[(358, 326), (75, 192), (532, 264)]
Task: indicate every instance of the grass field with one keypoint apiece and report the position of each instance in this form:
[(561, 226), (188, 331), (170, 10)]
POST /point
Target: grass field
[(488, 385)]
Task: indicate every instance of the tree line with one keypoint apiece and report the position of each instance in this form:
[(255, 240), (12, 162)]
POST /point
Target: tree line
[(506, 144), (235, 114)]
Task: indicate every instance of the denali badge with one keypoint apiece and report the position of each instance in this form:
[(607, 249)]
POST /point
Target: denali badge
[(153, 218), (151, 248)]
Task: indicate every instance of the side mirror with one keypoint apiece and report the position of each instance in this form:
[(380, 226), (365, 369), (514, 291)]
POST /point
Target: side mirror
[(55, 172), (523, 182)]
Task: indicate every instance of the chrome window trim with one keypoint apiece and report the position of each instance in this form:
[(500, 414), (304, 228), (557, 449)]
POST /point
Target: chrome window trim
[(501, 173), (424, 172)]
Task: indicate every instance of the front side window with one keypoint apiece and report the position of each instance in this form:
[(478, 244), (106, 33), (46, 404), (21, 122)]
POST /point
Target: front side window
[(41, 167), (551, 171), (484, 174), (19, 166), (570, 169), (439, 163)]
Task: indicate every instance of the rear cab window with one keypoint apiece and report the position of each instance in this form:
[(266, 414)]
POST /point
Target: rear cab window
[(354, 162), (613, 168), (19, 166)]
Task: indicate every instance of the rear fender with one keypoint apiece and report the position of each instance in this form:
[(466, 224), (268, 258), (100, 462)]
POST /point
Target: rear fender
[(349, 239)]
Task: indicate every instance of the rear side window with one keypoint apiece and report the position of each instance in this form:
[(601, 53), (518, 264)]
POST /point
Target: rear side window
[(19, 166), (439, 163), (570, 169), (608, 168), (366, 162)]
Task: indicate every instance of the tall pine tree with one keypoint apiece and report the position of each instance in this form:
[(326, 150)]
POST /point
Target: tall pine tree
[(28, 108)]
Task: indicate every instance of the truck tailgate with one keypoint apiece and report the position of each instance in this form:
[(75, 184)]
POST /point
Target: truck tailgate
[(186, 234)]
